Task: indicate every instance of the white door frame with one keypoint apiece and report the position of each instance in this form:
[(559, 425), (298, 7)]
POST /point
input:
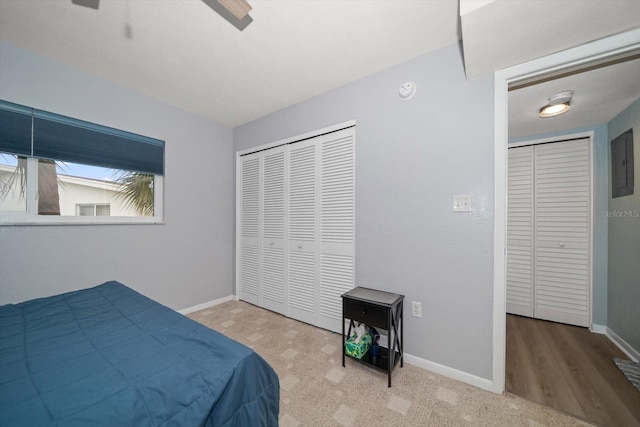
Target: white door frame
[(580, 55)]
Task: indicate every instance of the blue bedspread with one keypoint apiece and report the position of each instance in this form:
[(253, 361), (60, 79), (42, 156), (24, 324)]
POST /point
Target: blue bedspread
[(109, 356)]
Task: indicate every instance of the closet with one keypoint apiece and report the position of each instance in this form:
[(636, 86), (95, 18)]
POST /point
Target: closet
[(296, 225), (549, 231)]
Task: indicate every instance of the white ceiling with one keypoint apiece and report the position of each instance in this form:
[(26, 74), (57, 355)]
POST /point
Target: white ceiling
[(502, 33), (184, 53)]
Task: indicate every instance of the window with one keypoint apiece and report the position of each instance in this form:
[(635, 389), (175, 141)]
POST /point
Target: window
[(12, 183), (93, 210), (57, 169)]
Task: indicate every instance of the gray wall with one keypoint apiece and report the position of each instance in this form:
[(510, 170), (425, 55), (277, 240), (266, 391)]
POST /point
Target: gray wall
[(600, 203), (624, 241), (185, 262), (412, 157)]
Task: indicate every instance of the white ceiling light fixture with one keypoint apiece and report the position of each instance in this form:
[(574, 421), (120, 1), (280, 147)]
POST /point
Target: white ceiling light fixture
[(558, 104)]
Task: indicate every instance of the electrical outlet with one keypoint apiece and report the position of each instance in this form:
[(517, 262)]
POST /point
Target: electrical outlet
[(416, 309)]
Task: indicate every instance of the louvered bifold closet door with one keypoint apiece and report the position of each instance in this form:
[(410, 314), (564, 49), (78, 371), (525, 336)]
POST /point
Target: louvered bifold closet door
[(337, 213), (562, 223), (520, 232), (303, 232), (250, 218), (274, 245), (296, 226)]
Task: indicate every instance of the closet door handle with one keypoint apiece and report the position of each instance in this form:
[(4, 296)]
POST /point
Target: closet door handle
[(562, 245), (299, 246), (271, 243)]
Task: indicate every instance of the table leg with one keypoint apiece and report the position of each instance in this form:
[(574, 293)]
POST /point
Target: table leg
[(343, 340), (391, 353), (401, 335)]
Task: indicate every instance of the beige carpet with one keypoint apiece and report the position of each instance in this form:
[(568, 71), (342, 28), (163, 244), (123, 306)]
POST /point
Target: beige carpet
[(315, 390)]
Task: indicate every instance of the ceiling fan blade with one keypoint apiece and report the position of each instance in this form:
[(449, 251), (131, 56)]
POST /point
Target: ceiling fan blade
[(93, 4), (239, 8)]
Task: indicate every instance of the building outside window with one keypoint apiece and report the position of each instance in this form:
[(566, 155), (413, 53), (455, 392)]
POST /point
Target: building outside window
[(78, 189), (93, 209)]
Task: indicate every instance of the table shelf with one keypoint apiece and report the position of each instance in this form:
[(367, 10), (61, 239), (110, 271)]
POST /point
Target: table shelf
[(379, 362)]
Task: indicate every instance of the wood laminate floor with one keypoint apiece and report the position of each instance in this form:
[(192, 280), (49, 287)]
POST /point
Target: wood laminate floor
[(570, 369)]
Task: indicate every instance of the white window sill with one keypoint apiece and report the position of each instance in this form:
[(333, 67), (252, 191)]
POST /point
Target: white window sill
[(72, 220)]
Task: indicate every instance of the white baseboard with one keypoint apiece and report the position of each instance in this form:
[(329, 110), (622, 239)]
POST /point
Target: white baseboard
[(206, 304), (598, 329), (452, 373), (631, 352)]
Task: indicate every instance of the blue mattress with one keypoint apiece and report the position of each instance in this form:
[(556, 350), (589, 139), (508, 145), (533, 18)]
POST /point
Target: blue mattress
[(109, 356)]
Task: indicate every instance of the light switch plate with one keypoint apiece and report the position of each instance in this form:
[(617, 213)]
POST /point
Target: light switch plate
[(462, 203)]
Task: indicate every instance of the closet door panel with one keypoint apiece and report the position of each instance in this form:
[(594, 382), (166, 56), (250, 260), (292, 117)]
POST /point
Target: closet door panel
[(337, 213), (250, 217), (562, 222), (302, 268), (302, 278), (520, 233), (274, 271)]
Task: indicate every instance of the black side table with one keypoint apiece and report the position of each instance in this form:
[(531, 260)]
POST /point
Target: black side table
[(381, 310)]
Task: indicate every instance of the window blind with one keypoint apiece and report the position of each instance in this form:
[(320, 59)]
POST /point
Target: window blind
[(15, 128), (57, 137)]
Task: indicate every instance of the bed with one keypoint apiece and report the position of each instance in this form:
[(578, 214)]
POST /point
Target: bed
[(109, 356)]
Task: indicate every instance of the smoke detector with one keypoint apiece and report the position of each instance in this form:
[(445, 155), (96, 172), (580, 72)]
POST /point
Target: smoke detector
[(407, 90)]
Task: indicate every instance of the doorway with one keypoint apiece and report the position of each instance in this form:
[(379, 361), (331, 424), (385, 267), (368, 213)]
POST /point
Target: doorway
[(546, 341), (599, 50)]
